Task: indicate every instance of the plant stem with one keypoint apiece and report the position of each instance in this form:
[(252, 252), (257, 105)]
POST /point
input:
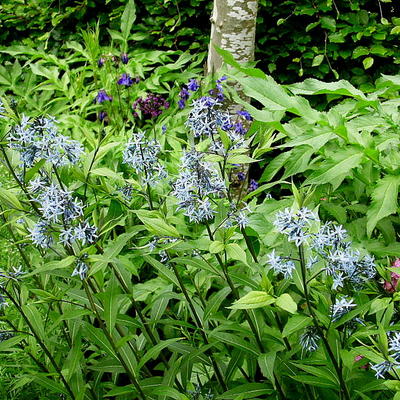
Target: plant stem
[(344, 391), (199, 326), (110, 339), (41, 344)]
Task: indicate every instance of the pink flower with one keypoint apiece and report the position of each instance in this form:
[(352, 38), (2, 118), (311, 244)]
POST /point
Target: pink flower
[(391, 286), (358, 358)]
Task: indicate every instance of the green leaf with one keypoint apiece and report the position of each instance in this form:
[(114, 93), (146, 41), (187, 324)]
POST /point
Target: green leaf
[(317, 60), (266, 363), (97, 337), (155, 351), (314, 381), (163, 271), (10, 198), (339, 165), (215, 301), (384, 201), (286, 302), (295, 323), (157, 225), (315, 87), (367, 62), (35, 319), (216, 247), (235, 341), (328, 23), (246, 391), (128, 18), (254, 299), (235, 252)]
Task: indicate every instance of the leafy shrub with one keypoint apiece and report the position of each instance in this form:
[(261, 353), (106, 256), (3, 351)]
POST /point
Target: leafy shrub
[(149, 270)]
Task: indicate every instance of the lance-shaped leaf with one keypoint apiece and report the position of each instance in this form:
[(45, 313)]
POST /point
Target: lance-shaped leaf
[(339, 165), (384, 201), (254, 299)]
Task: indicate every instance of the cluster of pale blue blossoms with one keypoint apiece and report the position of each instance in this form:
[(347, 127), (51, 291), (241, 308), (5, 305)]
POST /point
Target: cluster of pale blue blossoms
[(142, 155), (60, 213), (197, 181), (394, 353), (39, 139), (206, 117), (57, 206), (329, 244)]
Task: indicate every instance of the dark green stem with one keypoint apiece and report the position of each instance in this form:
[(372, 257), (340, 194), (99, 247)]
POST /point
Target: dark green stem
[(344, 391)]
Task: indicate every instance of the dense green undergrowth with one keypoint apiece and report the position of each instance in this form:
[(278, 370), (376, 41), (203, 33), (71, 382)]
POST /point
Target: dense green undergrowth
[(166, 249)]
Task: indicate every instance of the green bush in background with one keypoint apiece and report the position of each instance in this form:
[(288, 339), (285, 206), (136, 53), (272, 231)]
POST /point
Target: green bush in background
[(295, 39)]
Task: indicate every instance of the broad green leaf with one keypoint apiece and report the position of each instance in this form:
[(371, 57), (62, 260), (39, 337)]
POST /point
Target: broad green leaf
[(384, 200), (317, 60), (156, 224), (50, 384), (339, 165), (254, 299), (97, 336), (163, 271), (315, 87), (295, 323), (155, 351), (367, 62), (215, 301), (246, 391), (266, 363), (10, 198), (216, 247), (128, 18), (286, 302), (235, 341), (314, 381), (35, 319), (235, 252), (7, 345)]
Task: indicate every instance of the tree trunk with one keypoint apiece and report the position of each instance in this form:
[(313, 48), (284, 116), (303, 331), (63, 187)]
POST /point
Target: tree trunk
[(233, 28)]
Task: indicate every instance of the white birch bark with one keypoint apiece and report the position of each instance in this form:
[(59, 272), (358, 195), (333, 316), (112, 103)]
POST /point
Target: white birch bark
[(233, 28)]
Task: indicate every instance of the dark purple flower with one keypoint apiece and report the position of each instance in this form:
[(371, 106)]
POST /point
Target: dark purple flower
[(181, 104), (193, 85), (223, 78), (102, 116), (125, 80), (241, 176), (245, 114), (152, 106), (164, 129), (184, 94), (253, 185), (124, 58), (101, 62), (239, 128), (102, 96)]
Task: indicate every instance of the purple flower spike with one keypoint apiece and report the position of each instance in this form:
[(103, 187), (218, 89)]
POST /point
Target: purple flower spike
[(253, 185), (246, 115), (102, 116), (181, 104), (124, 58), (125, 80), (102, 96), (193, 85), (101, 62), (239, 128), (241, 176)]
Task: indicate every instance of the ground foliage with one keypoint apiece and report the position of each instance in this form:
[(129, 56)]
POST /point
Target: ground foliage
[(324, 39), (148, 267)]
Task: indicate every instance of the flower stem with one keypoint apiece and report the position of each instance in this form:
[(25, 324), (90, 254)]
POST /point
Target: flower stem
[(343, 388)]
